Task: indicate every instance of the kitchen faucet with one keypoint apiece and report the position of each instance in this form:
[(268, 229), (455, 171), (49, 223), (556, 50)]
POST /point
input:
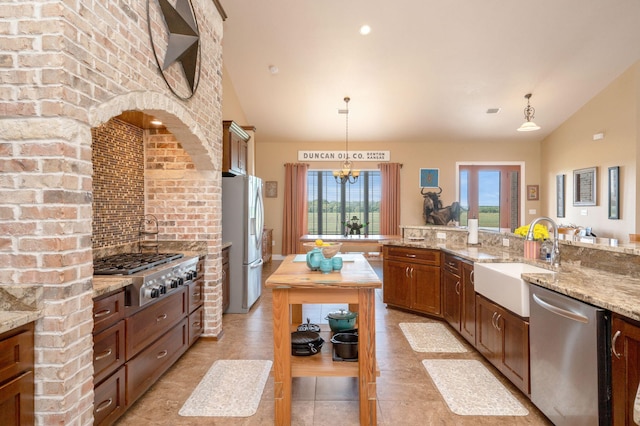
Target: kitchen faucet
[(555, 252)]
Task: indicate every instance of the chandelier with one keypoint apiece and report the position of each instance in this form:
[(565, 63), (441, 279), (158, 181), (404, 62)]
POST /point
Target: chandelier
[(529, 112), (345, 174)]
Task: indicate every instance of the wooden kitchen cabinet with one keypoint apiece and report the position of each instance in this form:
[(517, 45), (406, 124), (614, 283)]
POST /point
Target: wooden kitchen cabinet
[(625, 368), (459, 296), (195, 302), (468, 306), (235, 143), (503, 338), (108, 358), (412, 279), (267, 245), (226, 279), (16, 376)]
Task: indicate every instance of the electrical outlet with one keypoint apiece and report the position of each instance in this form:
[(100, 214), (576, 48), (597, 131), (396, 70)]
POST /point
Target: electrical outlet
[(505, 242), (584, 212), (273, 243), (442, 235), (533, 211)]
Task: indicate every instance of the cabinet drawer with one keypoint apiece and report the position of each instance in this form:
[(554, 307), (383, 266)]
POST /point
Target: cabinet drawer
[(147, 325), (16, 352), (426, 256), (109, 399), (150, 364), (196, 295), (108, 351), (196, 325), (107, 311), (16, 401), (452, 264)]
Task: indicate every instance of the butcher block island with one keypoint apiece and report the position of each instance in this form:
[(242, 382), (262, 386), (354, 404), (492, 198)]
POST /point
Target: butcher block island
[(293, 283)]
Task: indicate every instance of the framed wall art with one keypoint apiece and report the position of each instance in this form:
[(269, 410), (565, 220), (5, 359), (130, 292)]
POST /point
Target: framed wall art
[(584, 187), (533, 192), (560, 195), (614, 192), (271, 189)]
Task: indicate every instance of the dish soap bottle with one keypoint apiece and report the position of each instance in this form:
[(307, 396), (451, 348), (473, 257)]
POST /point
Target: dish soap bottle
[(545, 250)]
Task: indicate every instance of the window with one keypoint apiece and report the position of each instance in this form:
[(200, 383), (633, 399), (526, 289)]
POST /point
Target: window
[(331, 204), (491, 194)]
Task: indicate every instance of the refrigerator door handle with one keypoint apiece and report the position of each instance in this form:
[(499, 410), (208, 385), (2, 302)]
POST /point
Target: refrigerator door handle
[(257, 264)]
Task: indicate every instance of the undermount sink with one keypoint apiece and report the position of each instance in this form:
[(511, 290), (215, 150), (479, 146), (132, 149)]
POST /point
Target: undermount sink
[(503, 284)]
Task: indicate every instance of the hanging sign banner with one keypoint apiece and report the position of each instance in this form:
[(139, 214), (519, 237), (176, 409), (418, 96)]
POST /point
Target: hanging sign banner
[(341, 156)]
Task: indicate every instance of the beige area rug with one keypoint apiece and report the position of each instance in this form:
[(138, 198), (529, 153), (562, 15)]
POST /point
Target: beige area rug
[(231, 388), (430, 337), (469, 388)]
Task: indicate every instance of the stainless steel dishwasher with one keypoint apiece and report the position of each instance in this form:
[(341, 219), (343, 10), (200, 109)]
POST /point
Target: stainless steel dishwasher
[(570, 361)]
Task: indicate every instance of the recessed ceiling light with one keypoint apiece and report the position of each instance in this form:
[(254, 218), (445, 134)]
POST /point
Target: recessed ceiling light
[(156, 122), (273, 69), (493, 110), (365, 29)]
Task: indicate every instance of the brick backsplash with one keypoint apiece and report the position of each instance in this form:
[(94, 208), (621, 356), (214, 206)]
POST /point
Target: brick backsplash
[(118, 183)]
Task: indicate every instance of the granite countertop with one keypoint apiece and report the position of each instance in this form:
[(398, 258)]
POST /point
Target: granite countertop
[(104, 284), (14, 319), (615, 292)]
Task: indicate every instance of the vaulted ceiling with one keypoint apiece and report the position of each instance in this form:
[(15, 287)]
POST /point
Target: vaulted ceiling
[(429, 70)]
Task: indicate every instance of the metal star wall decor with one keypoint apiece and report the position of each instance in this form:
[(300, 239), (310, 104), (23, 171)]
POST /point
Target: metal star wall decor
[(183, 42)]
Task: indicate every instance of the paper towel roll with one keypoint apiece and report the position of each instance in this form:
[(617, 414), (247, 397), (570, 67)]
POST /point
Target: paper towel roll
[(473, 231)]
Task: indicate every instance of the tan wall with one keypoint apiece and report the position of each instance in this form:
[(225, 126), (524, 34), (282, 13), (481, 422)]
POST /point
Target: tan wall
[(613, 112), (271, 158)]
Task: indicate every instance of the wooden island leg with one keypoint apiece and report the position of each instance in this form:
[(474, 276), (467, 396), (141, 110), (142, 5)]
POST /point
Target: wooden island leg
[(281, 357), (367, 356)]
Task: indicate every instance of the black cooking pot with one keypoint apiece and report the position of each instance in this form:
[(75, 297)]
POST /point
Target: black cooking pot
[(341, 320), (345, 345)]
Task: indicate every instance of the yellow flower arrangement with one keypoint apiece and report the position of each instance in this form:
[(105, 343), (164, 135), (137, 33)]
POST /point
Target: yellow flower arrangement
[(540, 232)]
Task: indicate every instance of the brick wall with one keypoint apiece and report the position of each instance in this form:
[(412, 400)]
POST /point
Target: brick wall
[(66, 67)]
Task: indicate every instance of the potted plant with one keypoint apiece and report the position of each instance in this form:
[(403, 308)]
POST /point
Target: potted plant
[(532, 248)]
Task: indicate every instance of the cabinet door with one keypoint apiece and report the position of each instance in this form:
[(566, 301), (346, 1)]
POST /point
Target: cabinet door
[(625, 362), (451, 295), (488, 337), (396, 289), (468, 305), (16, 401), (425, 286), (515, 350)]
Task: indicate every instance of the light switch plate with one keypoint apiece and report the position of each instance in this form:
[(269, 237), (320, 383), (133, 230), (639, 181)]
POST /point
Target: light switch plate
[(505, 242), (533, 211), (584, 212), (442, 235)]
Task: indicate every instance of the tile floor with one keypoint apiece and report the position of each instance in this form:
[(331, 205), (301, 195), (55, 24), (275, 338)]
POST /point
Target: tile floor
[(406, 394)]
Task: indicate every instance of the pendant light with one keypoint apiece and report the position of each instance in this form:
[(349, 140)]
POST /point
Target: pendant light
[(529, 112), (345, 174)]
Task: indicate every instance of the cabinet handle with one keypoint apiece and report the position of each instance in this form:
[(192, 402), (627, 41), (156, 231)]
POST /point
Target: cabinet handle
[(162, 354), (452, 264), (196, 294), (413, 256), (493, 318), (161, 317), (103, 355), (104, 404), (411, 272), (497, 322), (458, 288), (196, 324), (406, 271), (613, 344), (472, 277), (102, 313)]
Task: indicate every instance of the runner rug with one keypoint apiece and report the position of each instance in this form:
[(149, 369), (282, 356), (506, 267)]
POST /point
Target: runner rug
[(430, 337), (231, 388), (469, 388)]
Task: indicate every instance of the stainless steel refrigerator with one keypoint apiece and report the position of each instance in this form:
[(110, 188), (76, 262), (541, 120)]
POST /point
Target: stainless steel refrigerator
[(242, 223)]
